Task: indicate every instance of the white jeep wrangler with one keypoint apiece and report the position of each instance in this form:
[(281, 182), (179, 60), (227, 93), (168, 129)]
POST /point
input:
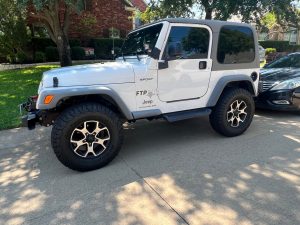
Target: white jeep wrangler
[(173, 69)]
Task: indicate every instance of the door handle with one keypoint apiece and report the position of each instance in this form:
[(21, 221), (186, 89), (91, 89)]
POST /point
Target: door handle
[(202, 65)]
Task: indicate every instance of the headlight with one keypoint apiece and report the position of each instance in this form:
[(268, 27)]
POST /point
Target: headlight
[(289, 84)]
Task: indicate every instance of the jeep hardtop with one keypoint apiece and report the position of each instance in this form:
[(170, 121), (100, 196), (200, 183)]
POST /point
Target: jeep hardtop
[(173, 69)]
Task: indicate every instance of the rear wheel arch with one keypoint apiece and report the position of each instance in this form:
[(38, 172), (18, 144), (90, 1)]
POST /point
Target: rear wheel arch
[(231, 81), (244, 84)]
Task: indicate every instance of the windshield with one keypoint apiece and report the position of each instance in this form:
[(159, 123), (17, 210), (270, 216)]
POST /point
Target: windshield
[(142, 41), (286, 62)]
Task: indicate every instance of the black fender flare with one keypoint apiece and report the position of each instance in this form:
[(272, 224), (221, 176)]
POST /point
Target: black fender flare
[(61, 93), (223, 82)]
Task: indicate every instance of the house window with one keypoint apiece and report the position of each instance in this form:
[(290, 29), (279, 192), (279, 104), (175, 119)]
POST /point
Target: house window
[(88, 5), (114, 33), (39, 32)]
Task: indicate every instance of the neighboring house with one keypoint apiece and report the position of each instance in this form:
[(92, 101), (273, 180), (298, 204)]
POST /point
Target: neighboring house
[(116, 15), (277, 33), (291, 34)]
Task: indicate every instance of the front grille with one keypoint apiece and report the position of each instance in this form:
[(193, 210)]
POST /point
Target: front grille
[(264, 85)]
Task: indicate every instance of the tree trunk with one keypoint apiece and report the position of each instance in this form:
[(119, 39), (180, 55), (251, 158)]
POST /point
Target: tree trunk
[(208, 12), (64, 50)]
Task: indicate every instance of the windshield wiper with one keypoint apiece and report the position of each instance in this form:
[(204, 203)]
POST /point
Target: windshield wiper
[(136, 54)]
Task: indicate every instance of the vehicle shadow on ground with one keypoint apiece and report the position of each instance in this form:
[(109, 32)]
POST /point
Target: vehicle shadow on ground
[(204, 177)]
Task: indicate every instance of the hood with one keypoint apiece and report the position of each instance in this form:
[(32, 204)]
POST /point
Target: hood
[(91, 74), (279, 74)]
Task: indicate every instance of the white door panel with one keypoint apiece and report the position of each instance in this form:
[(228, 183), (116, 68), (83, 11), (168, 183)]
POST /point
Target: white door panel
[(184, 48), (183, 80)]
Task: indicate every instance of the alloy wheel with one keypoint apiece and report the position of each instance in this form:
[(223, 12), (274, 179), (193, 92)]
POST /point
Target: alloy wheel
[(90, 139), (237, 113)]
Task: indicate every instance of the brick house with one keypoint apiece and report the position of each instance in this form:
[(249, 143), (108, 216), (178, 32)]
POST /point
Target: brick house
[(116, 15)]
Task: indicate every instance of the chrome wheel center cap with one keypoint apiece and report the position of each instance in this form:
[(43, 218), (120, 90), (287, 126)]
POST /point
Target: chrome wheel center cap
[(90, 138)]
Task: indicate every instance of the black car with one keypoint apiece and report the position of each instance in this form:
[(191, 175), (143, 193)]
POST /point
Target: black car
[(279, 85)]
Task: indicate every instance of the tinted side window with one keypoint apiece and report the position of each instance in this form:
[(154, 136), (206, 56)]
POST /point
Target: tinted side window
[(187, 43), (236, 45), (286, 61)]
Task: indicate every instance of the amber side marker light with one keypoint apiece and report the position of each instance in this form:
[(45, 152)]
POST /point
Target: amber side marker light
[(48, 99)]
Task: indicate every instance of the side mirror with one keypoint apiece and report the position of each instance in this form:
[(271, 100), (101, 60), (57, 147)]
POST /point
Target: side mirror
[(163, 64), (155, 53)]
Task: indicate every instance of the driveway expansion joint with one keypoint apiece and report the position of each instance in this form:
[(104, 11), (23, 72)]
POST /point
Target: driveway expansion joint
[(153, 189)]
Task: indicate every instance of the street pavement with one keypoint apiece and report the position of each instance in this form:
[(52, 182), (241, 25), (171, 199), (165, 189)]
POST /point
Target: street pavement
[(180, 173)]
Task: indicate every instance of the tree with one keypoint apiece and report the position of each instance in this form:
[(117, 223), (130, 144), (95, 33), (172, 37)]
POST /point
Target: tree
[(167, 8), (249, 10), (86, 27), (288, 15), (269, 20), (13, 32), (55, 16)]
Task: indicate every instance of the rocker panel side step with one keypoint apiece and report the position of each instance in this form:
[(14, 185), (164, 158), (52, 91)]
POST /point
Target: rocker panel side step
[(184, 115)]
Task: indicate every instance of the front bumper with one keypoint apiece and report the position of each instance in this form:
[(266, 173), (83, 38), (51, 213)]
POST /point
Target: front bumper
[(29, 114), (283, 100)]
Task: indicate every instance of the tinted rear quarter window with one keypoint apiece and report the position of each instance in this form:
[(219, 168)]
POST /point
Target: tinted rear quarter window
[(236, 45)]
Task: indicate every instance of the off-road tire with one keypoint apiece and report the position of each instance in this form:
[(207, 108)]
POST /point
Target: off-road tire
[(68, 121), (218, 117)]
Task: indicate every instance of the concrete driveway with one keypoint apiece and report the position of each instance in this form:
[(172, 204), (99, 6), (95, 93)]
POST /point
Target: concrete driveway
[(182, 173)]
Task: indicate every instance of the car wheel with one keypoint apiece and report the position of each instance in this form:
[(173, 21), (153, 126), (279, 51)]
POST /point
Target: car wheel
[(233, 113), (87, 136)]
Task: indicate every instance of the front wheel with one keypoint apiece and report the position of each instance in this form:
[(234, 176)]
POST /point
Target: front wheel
[(87, 136), (233, 113)]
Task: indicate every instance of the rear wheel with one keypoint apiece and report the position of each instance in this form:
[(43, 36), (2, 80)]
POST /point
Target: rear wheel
[(87, 136), (233, 113)]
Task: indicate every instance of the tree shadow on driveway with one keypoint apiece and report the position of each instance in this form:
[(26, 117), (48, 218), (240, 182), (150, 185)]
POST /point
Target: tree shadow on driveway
[(165, 174)]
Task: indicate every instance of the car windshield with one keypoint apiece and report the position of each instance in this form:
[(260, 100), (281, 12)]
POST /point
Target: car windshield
[(290, 61), (141, 42)]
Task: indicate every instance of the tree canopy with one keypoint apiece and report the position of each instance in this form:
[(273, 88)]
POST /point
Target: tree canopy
[(13, 32), (248, 10), (55, 16)]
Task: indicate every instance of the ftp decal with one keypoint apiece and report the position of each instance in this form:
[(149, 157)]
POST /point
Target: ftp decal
[(150, 94)]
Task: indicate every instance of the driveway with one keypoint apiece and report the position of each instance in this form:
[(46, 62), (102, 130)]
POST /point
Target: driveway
[(181, 173)]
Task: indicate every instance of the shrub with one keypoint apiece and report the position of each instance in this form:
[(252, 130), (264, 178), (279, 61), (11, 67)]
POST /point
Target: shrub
[(40, 44), (270, 50), (280, 46), (51, 54), (21, 57), (78, 53), (74, 43), (103, 47), (40, 57)]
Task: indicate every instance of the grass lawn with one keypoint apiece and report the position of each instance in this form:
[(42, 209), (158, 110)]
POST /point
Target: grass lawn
[(15, 87)]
